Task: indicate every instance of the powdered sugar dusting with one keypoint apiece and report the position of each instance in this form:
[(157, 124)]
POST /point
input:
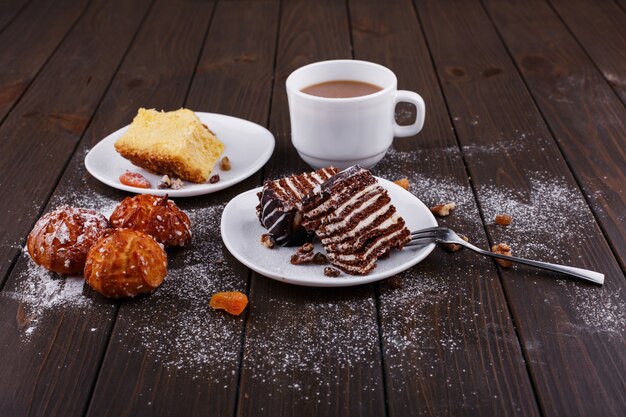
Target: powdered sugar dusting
[(40, 292), (547, 220), (175, 325), (317, 346)]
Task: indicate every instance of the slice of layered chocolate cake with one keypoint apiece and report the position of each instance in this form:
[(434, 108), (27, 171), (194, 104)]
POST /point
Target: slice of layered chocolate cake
[(280, 205), (353, 217)]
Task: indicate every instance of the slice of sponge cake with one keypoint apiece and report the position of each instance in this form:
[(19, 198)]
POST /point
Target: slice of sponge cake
[(175, 143)]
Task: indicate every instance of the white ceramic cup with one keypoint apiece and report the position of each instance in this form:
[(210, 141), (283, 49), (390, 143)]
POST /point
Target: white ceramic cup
[(347, 131)]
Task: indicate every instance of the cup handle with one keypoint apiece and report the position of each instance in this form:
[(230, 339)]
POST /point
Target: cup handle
[(416, 99)]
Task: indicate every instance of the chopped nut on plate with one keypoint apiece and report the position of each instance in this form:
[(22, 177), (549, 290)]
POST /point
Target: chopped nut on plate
[(306, 248), (503, 219), (331, 272), (300, 258), (267, 241), (502, 249), (443, 210), (403, 182), (167, 182), (225, 164), (214, 178)]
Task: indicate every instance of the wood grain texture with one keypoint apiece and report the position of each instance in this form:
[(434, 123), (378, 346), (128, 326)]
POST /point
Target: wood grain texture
[(298, 358), (600, 28), (28, 42), (449, 341), (570, 332), (9, 9), (51, 352), (41, 133), (196, 372), (583, 113)]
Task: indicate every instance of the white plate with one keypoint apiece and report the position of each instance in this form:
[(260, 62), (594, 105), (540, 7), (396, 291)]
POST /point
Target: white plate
[(241, 231), (247, 145)]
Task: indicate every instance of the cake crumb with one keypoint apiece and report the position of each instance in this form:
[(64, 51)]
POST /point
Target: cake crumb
[(214, 178), (503, 219), (502, 249), (443, 210)]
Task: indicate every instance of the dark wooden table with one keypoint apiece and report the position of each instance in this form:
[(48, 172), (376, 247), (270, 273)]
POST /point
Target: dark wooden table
[(525, 115)]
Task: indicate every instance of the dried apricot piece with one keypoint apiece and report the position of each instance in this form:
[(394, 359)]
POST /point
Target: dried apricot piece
[(234, 302), (134, 179), (403, 182)]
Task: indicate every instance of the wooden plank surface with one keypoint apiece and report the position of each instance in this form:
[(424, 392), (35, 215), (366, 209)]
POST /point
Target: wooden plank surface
[(600, 27), (571, 332), (299, 358), (28, 42), (41, 133), (197, 372), (583, 113), (449, 341), (52, 336), (9, 9)]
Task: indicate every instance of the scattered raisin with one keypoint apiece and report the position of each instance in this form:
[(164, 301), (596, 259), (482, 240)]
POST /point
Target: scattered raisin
[(503, 219), (234, 302), (331, 272), (214, 178)]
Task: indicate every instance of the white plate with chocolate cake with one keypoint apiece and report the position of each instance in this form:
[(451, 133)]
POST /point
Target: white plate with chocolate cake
[(190, 147), (342, 229)]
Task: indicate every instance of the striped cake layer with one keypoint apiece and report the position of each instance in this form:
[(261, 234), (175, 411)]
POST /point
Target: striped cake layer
[(280, 205), (353, 217)]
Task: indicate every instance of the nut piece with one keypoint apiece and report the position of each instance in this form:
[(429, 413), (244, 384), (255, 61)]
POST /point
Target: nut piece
[(267, 241), (443, 210), (502, 249), (503, 219), (167, 182), (453, 247), (403, 182), (214, 178), (225, 164), (320, 259), (300, 258), (331, 272), (306, 248)]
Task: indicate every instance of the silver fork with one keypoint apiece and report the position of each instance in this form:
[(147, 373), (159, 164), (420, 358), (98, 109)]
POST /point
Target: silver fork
[(445, 235)]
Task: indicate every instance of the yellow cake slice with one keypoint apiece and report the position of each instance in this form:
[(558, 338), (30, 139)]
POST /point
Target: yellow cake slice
[(175, 143)]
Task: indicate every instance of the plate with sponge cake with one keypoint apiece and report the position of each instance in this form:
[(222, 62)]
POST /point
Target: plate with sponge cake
[(180, 153)]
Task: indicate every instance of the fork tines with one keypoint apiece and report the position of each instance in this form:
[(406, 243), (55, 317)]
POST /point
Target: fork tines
[(423, 236)]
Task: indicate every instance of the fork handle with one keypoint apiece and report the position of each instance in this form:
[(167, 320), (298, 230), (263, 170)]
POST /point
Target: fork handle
[(584, 274)]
